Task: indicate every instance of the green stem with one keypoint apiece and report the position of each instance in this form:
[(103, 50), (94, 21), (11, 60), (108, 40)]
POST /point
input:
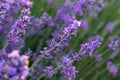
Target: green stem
[(6, 44)]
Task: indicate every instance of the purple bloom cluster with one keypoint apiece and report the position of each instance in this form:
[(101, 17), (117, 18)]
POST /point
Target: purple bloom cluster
[(17, 31), (26, 3), (14, 67), (49, 71), (68, 70), (19, 28), (70, 9), (83, 5), (98, 57), (4, 7), (97, 37), (110, 27), (115, 43), (38, 24), (87, 49), (112, 68), (64, 39), (98, 7), (8, 8), (84, 25)]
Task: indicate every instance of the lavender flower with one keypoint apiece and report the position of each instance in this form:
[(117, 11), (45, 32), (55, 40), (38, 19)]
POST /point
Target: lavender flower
[(26, 3), (109, 27), (14, 66), (70, 9), (97, 37), (98, 7), (115, 43), (82, 5), (84, 25), (38, 24), (8, 8), (18, 29), (4, 7), (87, 49), (112, 68), (98, 57), (49, 71), (29, 53), (64, 39), (68, 70)]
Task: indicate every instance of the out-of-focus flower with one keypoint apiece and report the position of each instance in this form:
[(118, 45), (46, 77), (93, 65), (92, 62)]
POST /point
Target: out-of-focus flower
[(115, 43), (97, 37), (14, 67), (26, 3), (112, 68), (49, 71), (84, 25), (98, 57), (110, 27)]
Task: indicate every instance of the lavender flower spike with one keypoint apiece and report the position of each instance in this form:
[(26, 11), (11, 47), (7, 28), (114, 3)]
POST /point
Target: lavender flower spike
[(56, 45), (49, 71), (19, 28), (68, 70), (87, 49)]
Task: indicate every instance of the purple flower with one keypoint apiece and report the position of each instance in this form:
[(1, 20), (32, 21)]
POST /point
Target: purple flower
[(4, 7), (115, 43), (82, 5), (112, 68), (66, 61), (87, 49), (68, 70), (76, 56), (13, 46), (63, 40), (110, 27), (84, 25), (98, 57), (70, 9), (49, 71), (38, 24), (18, 29), (97, 37), (14, 66), (26, 3), (29, 53)]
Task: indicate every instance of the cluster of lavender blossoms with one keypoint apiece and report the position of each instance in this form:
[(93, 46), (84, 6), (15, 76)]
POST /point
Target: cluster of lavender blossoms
[(52, 55), (17, 31), (14, 66), (115, 43), (112, 68)]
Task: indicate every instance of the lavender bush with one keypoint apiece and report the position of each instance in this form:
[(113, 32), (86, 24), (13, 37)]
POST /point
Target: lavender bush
[(59, 40)]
